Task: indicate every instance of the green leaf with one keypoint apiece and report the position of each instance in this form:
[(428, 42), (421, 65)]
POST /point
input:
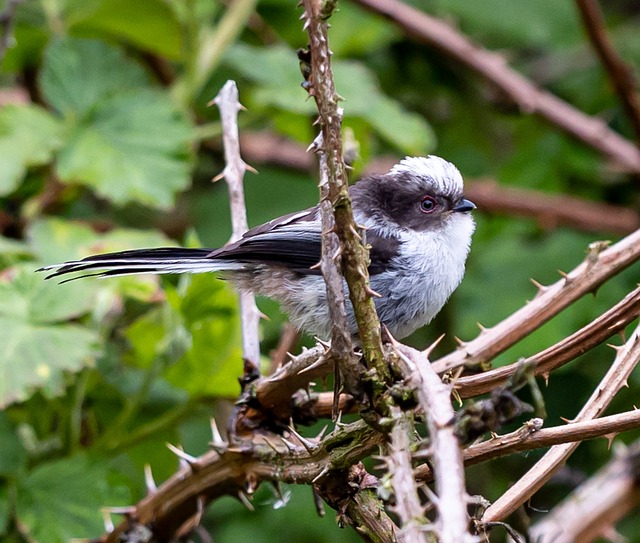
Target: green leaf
[(78, 74), (28, 137), (160, 33), (132, 149), (209, 312), (35, 351), (61, 500), (125, 140), (278, 76), (14, 457)]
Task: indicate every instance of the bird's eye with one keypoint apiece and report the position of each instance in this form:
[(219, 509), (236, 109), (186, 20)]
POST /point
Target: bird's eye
[(427, 204)]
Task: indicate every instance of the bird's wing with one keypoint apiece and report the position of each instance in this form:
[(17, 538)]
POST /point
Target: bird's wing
[(292, 241)]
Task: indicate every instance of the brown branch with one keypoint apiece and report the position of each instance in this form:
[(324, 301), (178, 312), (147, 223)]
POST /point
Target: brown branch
[(239, 470), (552, 210), (599, 266), (596, 332), (549, 210), (627, 358), (352, 251), (435, 33), (620, 73), (532, 436), (591, 510), (234, 170)]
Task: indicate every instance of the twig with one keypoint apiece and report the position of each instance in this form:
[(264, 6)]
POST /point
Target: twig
[(599, 330), (334, 192), (593, 508), (435, 398), (620, 74), (592, 131), (530, 436), (551, 210), (598, 266), (407, 502), (7, 20), (234, 170), (627, 358)]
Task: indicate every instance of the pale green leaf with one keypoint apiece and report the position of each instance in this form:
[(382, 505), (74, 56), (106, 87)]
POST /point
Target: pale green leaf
[(77, 74), (160, 33), (28, 137), (61, 500), (134, 147), (35, 351)]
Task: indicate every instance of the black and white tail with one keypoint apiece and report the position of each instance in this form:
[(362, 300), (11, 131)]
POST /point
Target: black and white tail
[(160, 260)]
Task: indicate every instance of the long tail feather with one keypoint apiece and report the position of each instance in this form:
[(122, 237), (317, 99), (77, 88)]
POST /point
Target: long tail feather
[(160, 260)]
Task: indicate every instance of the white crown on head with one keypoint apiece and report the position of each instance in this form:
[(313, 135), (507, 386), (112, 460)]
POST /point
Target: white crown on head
[(443, 175)]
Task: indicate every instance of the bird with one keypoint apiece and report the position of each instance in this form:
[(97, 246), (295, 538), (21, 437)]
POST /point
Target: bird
[(417, 224)]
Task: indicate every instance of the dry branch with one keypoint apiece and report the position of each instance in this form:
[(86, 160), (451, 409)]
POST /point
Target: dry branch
[(352, 252), (621, 75), (234, 170), (627, 358), (434, 396), (591, 510), (592, 131), (596, 332)]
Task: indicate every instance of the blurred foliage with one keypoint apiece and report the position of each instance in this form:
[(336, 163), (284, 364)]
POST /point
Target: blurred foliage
[(105, 145)]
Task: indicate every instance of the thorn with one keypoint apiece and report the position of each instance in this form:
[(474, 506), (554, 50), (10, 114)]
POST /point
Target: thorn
[(541, 288), (217, 443), (372, 293), (291, 446), (218, 177), (460, 343), (197, 518), (241, 107), (250, 484), (427, 352), (616, 348), (148, 480), (566, 277), (325, 344), (317, 364), (320, 475), (308, 445), (321, 434), (250, 168), (190, 461), (482, 328), (127, 510), (245, 501), (108, 523), (568, 421)]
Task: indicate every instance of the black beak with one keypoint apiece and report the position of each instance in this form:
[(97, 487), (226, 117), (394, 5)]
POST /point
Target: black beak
[(464, 205)]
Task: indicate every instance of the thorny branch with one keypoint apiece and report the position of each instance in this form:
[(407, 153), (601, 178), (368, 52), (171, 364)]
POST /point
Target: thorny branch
[(616, 377), (229, 104), (354, 256), (434, 396), (591, 510)]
